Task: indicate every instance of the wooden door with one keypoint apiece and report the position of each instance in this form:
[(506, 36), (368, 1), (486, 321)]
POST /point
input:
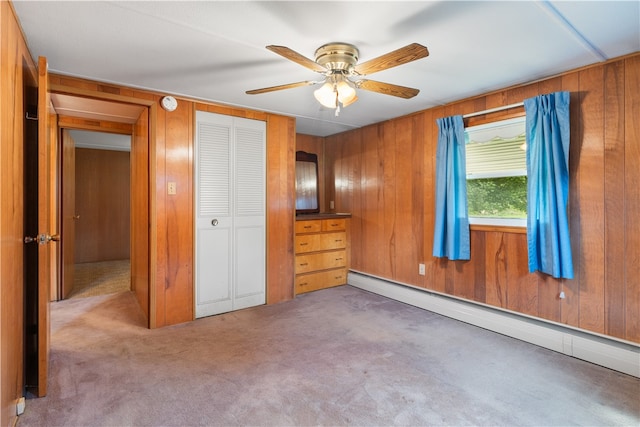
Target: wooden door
[(40, 256), (230, 213), (69, 216)]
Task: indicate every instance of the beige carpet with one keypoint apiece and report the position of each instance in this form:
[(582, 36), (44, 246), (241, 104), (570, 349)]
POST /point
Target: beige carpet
[(101, 278), (336, 357)]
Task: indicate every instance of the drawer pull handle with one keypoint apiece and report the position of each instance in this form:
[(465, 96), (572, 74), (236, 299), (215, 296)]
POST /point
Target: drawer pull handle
[(303, 244), (302, 264), (338, 240), (338, 259), (335, 225), (307, 226), (304, 284), (338, 277)]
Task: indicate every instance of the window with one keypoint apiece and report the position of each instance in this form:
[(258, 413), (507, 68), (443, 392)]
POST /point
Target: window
[(497, 173)]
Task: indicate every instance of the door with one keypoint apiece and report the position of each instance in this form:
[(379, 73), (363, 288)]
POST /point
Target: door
[(230, 213), (69, 216), (40, 256)]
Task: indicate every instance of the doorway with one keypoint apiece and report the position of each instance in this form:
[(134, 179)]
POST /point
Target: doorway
[(117, 116), (96, 213)]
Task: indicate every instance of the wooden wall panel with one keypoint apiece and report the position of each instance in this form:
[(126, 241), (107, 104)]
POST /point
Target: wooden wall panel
[(280, 208), (140, 223), (570, 308), (591, 190), (17, 67), (103, 202), (549, 289), (614, 201), (496, 269), (428, 217), (372, 230), (395, 196), (631, 259), (177, 251)]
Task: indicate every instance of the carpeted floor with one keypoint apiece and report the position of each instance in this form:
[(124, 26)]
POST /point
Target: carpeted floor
[(335, 357), (101, 278)]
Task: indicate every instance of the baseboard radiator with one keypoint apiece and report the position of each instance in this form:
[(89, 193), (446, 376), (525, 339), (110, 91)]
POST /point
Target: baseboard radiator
[(611, 353)]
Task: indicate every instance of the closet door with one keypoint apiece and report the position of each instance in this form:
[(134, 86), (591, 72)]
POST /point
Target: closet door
[(230, 213)]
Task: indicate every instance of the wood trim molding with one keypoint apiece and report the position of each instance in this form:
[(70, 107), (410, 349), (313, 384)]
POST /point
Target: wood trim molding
[(70, 122), (104, 95)]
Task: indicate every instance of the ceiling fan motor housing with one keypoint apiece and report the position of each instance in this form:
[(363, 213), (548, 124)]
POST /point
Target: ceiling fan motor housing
[(337, 57)]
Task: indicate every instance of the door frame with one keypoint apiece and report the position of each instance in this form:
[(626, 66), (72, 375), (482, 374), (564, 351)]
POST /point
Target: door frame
[(144, 153)]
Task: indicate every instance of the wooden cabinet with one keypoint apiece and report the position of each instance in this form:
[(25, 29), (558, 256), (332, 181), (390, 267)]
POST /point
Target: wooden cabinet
[(321, 248)]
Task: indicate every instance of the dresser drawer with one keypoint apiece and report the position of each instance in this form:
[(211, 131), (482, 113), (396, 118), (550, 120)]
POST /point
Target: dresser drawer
[(320, 261), (338, 224), (320, 242), (324, 279), (310, 226)]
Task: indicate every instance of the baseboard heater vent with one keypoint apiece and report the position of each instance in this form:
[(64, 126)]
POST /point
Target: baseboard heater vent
[(610, 353)]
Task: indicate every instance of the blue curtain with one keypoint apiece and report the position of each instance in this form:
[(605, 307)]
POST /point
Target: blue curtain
[(547, 128), (451, 234)]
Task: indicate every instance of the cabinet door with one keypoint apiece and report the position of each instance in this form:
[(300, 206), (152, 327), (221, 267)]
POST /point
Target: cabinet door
[(230, 213)]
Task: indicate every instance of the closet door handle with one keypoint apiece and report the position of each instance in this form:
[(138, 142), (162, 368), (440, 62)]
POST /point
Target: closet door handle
[(214, 222)]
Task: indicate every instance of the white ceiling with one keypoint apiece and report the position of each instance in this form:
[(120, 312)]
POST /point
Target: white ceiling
[(215, 50)]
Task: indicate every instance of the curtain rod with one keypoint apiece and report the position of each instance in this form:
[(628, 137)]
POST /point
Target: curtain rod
[(493, 110)]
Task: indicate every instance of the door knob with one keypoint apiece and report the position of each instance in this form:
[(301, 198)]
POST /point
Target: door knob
[(42, 238), (76, 216), (214, 222)]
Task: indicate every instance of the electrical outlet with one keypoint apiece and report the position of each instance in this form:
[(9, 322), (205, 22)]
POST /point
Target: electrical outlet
[(421, 269)]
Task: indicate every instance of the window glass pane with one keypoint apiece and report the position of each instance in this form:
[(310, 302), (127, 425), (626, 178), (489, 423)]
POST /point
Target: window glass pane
[(496, 171), (504, 197)]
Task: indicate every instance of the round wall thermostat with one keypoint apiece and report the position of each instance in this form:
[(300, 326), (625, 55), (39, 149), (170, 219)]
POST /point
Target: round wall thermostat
[(169, 103)]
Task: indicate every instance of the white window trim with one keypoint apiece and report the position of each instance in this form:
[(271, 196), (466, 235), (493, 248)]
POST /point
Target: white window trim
[(498, 222), (503, 174)]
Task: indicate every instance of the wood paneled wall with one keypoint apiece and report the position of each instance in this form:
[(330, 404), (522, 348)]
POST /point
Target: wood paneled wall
[(17, 68), (103, 203), (171, 216), (140, 214), (384, 175)]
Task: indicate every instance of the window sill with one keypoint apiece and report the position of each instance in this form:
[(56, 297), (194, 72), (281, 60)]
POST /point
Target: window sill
[(498, 228)]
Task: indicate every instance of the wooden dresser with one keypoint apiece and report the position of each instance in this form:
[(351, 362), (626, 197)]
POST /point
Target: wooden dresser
[(321, 246)]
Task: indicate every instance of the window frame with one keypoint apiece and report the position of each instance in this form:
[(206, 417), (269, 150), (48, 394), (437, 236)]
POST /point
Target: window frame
[(518, 225)]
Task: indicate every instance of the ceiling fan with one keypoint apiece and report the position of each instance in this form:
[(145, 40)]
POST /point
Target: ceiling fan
[(338, 62)]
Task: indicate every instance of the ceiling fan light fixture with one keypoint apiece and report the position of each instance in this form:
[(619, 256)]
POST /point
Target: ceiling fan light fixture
[(338, 62), (326, 95), (346, 93)]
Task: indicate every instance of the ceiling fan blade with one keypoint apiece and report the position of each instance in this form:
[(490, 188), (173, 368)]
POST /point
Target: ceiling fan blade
[(388, 89), (280, 87), (297, 58), (392, 59)]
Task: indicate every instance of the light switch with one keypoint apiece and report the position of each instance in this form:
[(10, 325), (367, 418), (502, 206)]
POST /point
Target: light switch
[(171, 188)]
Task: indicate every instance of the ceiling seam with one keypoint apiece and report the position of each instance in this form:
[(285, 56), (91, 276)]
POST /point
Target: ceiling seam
[(551, 10)]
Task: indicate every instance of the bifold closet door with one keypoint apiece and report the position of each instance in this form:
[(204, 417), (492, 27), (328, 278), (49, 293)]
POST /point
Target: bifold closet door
[(230, 157)]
